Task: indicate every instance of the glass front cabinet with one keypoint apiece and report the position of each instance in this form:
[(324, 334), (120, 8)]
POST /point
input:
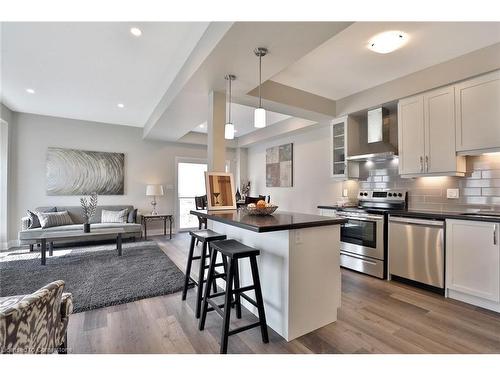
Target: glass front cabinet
[(340, 167)]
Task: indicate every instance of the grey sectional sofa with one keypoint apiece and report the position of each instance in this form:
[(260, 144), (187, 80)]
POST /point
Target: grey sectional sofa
[(132, 229)]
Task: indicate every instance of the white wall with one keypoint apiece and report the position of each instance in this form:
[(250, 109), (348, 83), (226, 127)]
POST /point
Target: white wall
[(146, 162), (312, 184)]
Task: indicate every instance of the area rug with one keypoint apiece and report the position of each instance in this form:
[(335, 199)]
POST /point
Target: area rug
[(95, 275)]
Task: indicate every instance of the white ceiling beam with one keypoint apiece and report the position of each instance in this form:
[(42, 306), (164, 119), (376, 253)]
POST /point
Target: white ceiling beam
[(287, 42), (279, 129)]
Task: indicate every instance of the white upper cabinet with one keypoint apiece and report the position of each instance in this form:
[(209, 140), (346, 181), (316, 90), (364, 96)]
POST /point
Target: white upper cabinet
[(440, 154), (473, 262), (411, 135), (426, 131), (340, 168), (478, 113)]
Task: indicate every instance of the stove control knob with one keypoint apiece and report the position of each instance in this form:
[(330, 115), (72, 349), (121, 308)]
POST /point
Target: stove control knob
[(366, 194), (361, 193), (390, 194), (400, 195)]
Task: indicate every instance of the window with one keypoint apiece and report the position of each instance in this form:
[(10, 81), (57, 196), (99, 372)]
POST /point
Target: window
[(190, 183)]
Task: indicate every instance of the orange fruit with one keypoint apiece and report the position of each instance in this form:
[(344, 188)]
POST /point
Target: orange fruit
[(261, 204)]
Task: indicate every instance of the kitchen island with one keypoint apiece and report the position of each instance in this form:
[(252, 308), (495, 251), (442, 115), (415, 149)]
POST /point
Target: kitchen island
[(298, 265)]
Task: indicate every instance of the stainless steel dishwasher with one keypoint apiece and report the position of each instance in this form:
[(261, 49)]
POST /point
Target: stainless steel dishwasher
[(416, 250)]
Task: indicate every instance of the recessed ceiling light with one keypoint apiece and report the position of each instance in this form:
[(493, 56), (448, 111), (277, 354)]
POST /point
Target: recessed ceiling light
[(388, 41), (135, 31), (30, 91), (120, 105)]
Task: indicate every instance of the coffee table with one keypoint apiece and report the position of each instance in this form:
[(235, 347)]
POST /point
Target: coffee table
[(69, 235)]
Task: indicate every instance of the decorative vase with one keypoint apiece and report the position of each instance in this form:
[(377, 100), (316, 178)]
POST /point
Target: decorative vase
[(238, 195), (86, 228)]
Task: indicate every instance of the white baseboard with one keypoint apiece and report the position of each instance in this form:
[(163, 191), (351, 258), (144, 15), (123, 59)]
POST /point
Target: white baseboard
[(9, 244)]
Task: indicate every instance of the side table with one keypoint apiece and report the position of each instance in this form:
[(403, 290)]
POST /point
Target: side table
[(164, 218)]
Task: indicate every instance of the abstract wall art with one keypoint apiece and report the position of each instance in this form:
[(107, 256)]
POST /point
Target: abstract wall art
[(279, 166), (79, 172)]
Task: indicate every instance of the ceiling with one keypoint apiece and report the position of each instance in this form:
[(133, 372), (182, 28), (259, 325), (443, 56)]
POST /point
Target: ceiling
[(185, 106), (242, 118), (82, 70), (343, 66)]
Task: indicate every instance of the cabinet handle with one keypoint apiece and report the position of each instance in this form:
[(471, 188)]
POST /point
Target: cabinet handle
[(426, 163), (421, 164), (495, 235)]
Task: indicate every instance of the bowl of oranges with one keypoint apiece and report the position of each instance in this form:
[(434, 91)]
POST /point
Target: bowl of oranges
[(260, 208)]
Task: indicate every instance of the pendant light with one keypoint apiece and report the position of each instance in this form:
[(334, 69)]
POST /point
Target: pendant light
[(229, 128), (260, 113)]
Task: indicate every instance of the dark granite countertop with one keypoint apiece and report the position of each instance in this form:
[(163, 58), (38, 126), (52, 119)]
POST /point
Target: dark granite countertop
[(432, 215), (280, 220), (442, 215)]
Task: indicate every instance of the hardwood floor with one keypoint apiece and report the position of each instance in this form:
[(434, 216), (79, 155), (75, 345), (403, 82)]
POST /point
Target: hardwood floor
[(376, 317)]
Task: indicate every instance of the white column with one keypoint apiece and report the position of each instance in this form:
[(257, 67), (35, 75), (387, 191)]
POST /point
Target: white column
[(216, 147), (241, 166)]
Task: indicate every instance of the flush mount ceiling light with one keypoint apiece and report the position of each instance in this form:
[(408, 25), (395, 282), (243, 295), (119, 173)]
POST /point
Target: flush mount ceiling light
[(229, 128), (30, 91), (260, 113), (120, 105), (135, 31), (388, 41)]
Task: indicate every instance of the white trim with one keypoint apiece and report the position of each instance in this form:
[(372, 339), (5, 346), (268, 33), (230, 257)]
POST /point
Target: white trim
[(4, 173), (9, 244)]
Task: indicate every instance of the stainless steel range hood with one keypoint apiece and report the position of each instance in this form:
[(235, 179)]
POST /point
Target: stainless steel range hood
[(378, 122), (376, 145)]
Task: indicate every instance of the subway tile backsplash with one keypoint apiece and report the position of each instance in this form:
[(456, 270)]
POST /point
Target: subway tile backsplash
[(480, 189)]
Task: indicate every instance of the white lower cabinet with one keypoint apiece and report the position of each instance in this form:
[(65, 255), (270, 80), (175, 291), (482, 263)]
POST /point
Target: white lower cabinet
[(473, 262)]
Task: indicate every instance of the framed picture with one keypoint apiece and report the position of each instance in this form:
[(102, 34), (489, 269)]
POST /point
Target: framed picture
[(279, 166), (220, 191), (81, 172)]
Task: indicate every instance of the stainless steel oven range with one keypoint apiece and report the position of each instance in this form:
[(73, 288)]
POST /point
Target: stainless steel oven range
[(363, 239)]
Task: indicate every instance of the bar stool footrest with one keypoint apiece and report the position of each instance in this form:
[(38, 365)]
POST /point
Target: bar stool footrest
[(216, 265), (216, 307), (244, 289), (212, 309), (250, 300), (244, 328)]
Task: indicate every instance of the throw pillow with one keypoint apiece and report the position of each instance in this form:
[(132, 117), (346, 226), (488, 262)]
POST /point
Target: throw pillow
[(132, 216), (114, 216), (54, 219), (34, 222)]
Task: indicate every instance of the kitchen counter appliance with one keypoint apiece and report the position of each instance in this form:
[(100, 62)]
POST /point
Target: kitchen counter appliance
[(416, 251), (363, 245)]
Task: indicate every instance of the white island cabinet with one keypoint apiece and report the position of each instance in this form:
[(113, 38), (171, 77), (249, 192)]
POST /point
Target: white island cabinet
[(299, 265), (473, 262)]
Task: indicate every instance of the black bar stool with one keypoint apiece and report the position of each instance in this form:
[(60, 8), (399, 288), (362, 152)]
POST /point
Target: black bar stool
[(205, 236), (233, 250)]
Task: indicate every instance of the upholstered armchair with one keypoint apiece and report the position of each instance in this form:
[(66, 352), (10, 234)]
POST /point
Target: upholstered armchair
[(36, 323)]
